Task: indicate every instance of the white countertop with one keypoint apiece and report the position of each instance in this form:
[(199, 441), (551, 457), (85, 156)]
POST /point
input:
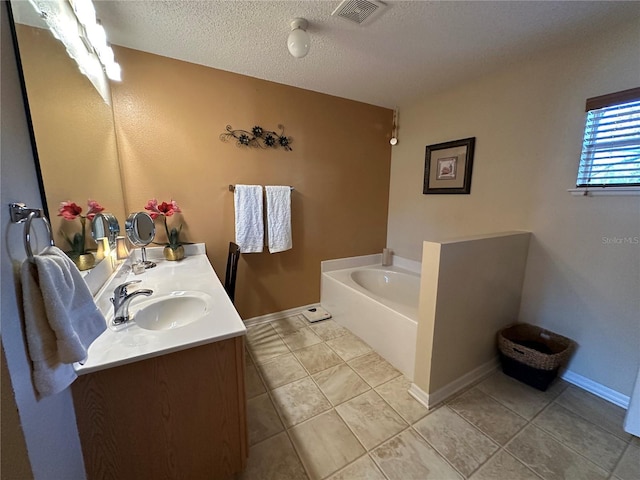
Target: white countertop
[(129, 343)]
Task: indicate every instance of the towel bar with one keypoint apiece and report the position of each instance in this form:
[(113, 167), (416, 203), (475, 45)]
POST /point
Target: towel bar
[(232, 188), (21, 214)]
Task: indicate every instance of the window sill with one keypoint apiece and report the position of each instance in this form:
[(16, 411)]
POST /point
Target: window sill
[(602, 191)]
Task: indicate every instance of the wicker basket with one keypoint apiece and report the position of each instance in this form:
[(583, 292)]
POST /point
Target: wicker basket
[(514, 342)]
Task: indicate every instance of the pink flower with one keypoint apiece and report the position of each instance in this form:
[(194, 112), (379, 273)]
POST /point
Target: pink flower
[(94, 208), (152, 206), (166, 209), (69, 210)]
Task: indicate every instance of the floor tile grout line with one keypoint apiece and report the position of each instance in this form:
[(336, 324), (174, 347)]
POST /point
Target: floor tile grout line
[(588, 420), (348, 399), (284, 425), (617, 464), (512, 410), (472, 426), (486, 434), (507, 452), (529, 422), (332, 407), (533, 425), (287, 429), (355, 434), (373, 459), (411, 424), (463, 392), (553, 399), (346, 361), (561, 441), (445, 459), (365, 454)]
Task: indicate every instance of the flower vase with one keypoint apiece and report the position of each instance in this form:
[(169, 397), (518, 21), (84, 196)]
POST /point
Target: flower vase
[(173, 254), (84, 261)]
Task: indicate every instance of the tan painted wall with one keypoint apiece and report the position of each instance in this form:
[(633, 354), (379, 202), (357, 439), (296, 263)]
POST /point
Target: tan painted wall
[(169, 115), (74, 131), (477, 292), (528, 121)]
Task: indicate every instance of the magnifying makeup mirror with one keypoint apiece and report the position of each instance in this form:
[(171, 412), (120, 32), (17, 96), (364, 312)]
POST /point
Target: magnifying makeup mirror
[(141, 230), (105, 225)]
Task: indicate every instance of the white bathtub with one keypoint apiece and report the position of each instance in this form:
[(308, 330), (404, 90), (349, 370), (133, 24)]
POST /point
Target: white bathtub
[(378, 304)]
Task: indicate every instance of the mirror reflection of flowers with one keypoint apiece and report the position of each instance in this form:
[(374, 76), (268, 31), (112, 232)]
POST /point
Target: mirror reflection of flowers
[(165, 210), (70, 211)]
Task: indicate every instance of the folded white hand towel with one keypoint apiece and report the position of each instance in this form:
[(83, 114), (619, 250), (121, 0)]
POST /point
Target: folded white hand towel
[(279, 218), (61, 319), (249, 218)]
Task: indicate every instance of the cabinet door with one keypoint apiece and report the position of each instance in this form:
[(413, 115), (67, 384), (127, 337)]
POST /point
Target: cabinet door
[(181, 415)]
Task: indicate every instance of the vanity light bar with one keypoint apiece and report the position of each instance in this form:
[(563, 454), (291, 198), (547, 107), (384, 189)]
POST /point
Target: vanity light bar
[(63, 24), (86, 14)]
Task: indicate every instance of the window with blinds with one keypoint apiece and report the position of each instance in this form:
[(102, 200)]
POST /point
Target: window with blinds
[(611, 145)]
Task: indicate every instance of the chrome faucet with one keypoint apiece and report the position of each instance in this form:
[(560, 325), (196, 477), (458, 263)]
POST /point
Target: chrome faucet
[(121, 300)]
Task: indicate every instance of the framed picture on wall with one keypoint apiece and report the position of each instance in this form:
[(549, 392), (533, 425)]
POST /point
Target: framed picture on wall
[(448, 167)]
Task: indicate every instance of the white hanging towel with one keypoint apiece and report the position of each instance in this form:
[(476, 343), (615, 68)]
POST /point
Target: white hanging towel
[(61, 319), (279, 218), (249, 218)]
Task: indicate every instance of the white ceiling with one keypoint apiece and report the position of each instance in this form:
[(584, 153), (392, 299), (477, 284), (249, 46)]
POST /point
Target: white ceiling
[(412, 48)]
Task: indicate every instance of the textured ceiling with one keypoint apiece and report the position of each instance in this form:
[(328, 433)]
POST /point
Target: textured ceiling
[(412, 48)]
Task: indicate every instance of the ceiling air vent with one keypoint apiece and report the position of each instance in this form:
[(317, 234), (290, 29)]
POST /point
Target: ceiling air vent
[(359, 11)]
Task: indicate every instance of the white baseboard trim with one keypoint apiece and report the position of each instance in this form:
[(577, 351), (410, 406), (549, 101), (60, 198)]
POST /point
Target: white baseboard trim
[(270, 317), (419, 394), (596, 388), (439, 396)]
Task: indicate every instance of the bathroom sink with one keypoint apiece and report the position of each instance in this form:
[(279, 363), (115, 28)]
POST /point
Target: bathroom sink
[(171, 311)]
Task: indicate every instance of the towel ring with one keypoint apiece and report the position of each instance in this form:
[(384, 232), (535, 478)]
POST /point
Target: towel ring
[(27, 232), (21, 213)]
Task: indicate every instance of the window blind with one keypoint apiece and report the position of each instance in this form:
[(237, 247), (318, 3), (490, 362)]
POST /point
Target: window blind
[(611, 146)]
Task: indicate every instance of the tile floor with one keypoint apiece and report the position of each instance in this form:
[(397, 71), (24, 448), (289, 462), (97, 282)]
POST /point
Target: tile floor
[(322, 404)]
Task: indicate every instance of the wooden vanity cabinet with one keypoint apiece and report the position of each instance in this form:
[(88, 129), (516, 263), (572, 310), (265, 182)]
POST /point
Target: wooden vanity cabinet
[(176, 416)]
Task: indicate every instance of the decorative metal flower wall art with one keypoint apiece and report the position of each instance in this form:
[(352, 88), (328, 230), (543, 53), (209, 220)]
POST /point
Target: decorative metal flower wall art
[(257, 137)]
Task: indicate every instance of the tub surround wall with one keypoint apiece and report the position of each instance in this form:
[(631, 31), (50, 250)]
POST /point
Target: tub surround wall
[(528, 121), (169, 115), (470, 289)]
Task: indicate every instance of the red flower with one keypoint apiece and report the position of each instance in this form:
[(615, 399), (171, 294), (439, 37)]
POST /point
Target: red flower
[(69, 210), (169, 209), (94, 208), (166, 209)]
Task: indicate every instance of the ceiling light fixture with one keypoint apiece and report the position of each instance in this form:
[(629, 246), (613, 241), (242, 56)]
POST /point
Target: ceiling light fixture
[(299, 41), (394, 129)]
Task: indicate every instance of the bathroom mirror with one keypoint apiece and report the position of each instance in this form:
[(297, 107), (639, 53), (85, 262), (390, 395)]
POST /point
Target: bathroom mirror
[(140, 231), (73, 131), (105, 225)]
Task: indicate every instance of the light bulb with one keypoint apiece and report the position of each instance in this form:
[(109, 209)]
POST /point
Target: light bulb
[(299, 41), (97, 36), (114, 72)]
